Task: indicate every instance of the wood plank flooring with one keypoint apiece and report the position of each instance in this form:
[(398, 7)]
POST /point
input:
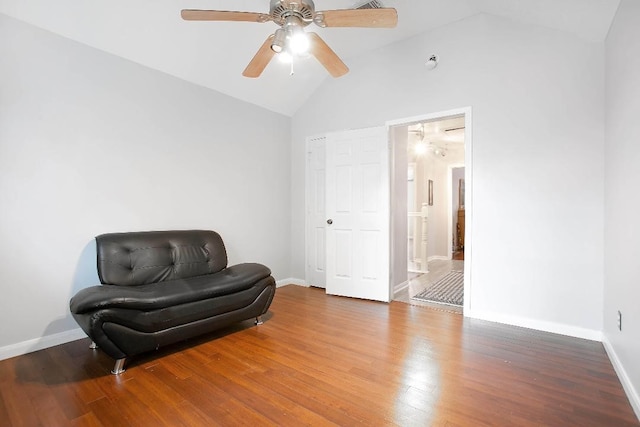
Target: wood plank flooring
[(321, 360)]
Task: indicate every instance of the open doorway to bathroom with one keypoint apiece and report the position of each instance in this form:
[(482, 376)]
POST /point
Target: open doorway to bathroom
[(429, 162)]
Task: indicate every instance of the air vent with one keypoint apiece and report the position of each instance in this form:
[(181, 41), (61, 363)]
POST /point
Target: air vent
[(373, 4)]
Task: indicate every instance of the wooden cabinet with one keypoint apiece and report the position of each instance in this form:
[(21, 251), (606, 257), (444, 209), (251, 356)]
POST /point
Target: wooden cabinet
[(460, 230)]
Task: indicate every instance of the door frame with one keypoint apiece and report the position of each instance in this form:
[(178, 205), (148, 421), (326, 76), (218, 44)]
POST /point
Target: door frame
[(468, 175)]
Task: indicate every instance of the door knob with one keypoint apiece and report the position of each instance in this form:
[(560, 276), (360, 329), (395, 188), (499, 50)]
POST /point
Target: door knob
[(329, 221)]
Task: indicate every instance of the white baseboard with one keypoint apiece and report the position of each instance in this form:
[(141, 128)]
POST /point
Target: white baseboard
[(438, 258), (539, 325), (400, 287), (291, 281), (41, 343), (627, 385)]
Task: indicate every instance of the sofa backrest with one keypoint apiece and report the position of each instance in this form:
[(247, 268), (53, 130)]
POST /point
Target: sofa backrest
[(138, 258)]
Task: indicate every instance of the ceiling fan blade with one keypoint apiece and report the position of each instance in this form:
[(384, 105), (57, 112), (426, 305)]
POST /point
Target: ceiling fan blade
[(260, 60), (222, 15), (368, 18), (326, 56)]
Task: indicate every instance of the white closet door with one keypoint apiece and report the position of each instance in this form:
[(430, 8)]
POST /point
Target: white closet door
[(357, 214), (316, 219)]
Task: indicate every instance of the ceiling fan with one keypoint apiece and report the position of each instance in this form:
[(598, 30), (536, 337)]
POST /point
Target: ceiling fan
[(290, 39)]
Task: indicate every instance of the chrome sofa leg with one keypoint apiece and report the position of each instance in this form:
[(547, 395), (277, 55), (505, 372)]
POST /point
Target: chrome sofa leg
[(258, 320), (93, 345), (119, 367)]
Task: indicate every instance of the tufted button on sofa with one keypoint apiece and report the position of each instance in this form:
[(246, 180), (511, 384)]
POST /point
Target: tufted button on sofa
[(160, 287)]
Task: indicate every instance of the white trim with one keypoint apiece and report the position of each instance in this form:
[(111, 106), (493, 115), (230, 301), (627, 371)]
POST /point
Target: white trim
[(539, 325), (400, 287), (291, 281), (627, 385), (438, 258), (428, 117), (468, 207), (41, 343)]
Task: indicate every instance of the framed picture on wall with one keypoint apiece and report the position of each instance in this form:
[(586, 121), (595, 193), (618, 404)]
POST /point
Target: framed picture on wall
[(430, 193)]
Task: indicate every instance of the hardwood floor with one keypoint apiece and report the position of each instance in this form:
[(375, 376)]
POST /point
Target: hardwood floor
[(322, 360)]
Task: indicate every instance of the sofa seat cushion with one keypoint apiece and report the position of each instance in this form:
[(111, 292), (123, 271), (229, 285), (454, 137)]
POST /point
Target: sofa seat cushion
[(169, 293), (181, 314)]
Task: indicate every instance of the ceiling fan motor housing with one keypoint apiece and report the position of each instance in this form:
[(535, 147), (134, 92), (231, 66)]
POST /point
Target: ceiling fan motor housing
[(280, 10)]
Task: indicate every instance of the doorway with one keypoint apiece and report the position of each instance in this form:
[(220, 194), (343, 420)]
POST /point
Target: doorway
[(396, 259), (430, 184)]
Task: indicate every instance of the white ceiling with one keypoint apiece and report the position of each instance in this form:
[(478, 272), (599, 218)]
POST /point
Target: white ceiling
[(214, 54)]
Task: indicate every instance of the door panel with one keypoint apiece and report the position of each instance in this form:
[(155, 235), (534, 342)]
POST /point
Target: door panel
[(370, 246), (343, 255), (343, 191)]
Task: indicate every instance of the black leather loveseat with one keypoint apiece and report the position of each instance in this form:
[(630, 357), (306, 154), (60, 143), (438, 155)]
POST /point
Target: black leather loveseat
[(160, 287)]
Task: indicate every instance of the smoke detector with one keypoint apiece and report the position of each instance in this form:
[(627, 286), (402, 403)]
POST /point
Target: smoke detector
[(432, 62)]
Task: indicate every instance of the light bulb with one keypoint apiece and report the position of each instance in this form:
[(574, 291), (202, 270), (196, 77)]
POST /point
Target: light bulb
[(298, 42), (278, 41), (285, 57), (420, 148)]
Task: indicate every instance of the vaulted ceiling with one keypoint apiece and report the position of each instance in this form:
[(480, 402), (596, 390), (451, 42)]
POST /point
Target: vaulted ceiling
[(214, 54)]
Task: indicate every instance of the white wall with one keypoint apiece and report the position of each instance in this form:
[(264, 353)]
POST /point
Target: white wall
[(537, 97), (91, 143), (438, 171), (622, 178)]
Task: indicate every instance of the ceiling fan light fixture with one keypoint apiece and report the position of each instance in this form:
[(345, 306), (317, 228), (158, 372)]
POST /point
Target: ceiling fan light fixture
[(279, 41), (292, 16), (298, 42), (420, 148), (285, 57)]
